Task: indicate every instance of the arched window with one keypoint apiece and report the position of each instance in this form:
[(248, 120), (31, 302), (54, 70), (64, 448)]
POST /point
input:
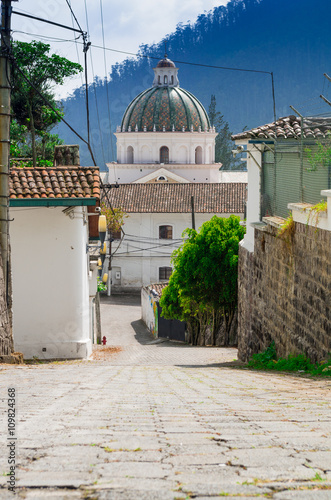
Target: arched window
[(129, 155), (165, 80), (172, 79), (165, 232), (164, 273), (198, 155), (162, 178), (164, 154), (159, 80)]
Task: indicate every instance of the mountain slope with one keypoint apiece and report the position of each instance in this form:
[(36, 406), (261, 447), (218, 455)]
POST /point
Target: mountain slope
[(290, 38)]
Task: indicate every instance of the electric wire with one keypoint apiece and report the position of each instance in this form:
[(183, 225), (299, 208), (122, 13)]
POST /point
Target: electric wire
[(76, 44), (97, 109), (47, 38), (139, 55), (73, 14), (107, 94)]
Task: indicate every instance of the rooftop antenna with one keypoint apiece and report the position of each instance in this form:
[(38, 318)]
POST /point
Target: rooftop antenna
[(165, 50)]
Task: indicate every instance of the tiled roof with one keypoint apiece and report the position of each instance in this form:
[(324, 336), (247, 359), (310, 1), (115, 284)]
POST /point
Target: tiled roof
[(289, 127), (157, 288), (58, 182), (176, 198)]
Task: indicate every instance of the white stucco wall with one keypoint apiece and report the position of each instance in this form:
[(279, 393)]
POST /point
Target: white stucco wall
[(232, 176), (137, 268), (50, 283), (253, 210), (126, 173), (320, 220)]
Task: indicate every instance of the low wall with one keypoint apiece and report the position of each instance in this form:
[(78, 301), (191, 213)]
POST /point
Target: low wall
[(285, 292), (149, 312)]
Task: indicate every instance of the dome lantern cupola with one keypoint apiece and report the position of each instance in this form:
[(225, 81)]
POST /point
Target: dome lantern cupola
[(165, 73)]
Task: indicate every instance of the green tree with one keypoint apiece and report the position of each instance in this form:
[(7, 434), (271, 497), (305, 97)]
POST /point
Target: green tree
[(202, 289), (223, 142), (20, 145), (32, 61)]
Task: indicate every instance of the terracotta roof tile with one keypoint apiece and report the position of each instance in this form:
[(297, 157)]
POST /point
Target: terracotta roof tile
[(289, 127), (59, 182), (176, 198)]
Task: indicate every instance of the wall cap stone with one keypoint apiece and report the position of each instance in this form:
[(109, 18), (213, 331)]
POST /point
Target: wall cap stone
[(259, 225), (304, 207), (274, 221)]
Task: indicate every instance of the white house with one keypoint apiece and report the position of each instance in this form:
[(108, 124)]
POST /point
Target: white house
[(158, 215), (49, 232), (278, 169)]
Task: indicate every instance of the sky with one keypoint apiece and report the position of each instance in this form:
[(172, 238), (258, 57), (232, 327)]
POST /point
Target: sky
[(127, 24)]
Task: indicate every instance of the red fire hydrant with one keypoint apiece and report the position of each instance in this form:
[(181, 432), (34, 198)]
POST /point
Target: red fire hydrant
[(104, 340)]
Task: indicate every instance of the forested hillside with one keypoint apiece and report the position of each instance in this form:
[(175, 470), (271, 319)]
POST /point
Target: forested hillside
[(291, 38)]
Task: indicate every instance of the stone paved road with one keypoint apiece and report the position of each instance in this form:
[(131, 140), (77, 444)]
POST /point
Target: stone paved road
[(165, 421)]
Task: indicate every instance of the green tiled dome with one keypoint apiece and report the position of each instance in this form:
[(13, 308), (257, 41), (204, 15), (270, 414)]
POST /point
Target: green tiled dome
[(166, 108)]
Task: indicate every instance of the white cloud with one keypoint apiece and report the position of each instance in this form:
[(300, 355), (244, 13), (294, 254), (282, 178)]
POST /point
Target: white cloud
[(127, 24)]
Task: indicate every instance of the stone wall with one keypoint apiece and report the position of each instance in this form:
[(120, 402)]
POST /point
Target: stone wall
[(285, 293)]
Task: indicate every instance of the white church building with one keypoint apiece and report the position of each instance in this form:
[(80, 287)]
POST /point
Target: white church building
[(166, 139)]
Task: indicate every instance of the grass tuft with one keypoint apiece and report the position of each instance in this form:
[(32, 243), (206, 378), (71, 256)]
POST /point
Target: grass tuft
[(268, 360)]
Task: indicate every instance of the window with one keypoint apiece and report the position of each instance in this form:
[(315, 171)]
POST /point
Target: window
[(130, 155), (165, 232), (172, 79), (165, 80), (198, 155), (159, 80), (164, 273), (164, 154)]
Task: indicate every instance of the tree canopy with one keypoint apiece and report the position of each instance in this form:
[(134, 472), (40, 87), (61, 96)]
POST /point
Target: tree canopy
[(34, 74), (202, 289), (223, 142)]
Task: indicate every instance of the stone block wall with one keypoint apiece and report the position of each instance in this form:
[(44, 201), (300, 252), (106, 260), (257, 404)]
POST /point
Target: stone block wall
[(285, 293)]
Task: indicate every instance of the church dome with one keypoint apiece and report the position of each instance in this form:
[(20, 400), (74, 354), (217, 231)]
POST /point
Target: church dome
[(165, 108), (165, 63)]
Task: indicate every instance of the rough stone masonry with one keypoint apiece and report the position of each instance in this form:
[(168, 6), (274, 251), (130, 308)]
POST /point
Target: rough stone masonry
[(285, 293)]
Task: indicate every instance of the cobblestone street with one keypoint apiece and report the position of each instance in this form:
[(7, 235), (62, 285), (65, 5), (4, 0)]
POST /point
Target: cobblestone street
[(161, 421)]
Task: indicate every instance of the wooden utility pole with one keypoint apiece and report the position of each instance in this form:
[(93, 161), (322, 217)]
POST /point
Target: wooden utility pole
[(6, 337), (193, 216), (4, 137)]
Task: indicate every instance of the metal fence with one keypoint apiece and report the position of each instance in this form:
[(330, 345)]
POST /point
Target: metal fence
[(288, 177)]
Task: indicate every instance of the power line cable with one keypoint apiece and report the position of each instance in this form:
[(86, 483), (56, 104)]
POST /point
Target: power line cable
[(86, 18), (181, 62), (48, 38), (107, 94), (73, 15), (97, 109), (76, 44)]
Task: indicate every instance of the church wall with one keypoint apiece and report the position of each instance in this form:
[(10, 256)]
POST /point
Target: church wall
[(126, 173), (175, 141)]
